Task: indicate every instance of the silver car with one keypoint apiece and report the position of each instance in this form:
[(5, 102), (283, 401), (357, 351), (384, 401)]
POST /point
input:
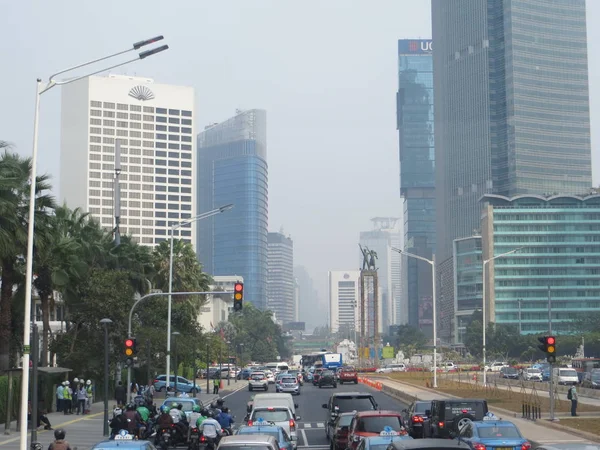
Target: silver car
[(258, 380), (244, 441), (280, 416), (288, 384)]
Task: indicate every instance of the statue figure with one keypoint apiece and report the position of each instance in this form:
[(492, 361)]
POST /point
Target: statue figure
[(365, 252), (373, 255)]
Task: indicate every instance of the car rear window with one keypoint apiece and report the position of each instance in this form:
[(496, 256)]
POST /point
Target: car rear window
[(567, 373), (376, 424), (354, 403), (288, 380), (500, 431), (245, 447), (510, 370), (272, 415), (348, 369), (455, 408), (249, 430), (257, 376), (344, 421), (422, 407)]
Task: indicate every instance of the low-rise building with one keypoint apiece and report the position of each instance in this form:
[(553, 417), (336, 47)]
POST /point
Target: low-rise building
[(218, 306)]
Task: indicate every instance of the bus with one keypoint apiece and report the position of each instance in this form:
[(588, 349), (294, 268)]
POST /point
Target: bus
[(332, 360), (313, 359)]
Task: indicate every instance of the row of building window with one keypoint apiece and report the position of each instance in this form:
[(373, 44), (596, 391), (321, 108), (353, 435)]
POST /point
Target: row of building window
[(138, 108)]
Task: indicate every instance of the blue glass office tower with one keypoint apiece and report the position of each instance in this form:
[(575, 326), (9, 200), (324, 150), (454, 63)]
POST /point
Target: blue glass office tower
[(232, 168), (417, 173)]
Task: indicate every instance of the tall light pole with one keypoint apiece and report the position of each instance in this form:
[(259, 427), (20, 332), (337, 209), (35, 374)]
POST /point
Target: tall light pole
[(485, 262), (106, 323), (175, 333), (42, 88), (431, 262), (174, 227), (228, 363)]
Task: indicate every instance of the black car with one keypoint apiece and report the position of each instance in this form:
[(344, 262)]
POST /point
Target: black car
[(327, 378), (416, 420), (449, 416), (510, 373), (347, 402), (428, 444)]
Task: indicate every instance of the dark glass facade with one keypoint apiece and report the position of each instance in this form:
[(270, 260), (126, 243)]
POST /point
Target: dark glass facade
[(415, 119), (232, 168)]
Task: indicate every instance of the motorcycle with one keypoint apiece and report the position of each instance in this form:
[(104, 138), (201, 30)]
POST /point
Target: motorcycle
[(208, 443), (165, 437), (194, 443)]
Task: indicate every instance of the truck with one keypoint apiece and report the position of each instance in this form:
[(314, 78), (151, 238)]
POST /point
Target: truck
[(332, 360)]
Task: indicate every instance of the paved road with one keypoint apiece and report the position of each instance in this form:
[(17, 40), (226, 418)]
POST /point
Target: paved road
[(311, 426)]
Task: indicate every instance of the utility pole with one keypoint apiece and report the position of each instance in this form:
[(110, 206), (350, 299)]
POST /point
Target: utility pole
[(149, 361), (553, 417)]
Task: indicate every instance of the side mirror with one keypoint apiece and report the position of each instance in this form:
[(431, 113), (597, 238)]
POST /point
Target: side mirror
[(355, 438), (324, 405), (296, 405), (298, 418), (428, 412)]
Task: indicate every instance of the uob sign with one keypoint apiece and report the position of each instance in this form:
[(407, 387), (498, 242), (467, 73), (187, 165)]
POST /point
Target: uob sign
[(419, 46), (426, 46)]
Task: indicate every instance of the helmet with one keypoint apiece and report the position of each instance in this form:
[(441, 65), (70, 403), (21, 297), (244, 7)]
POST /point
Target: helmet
[(164, 409), (76, 380), (174, 405), (88, 382), (204, 412), (130, 407), (64, 383), (117, 412), (180, 406), (67, 382), (59, 434), (220, 401), (196, 409)]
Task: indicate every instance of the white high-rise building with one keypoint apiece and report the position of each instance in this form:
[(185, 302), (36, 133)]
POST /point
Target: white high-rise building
[(386, 234), (154, 126), (344, 300)]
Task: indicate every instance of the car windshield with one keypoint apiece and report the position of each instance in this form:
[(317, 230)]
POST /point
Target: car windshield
[(568, 373), (349, 403), (272, 415), (504, 431), (187, 406), (327, 373), (510, 370), (455, 408), (421, 407), (348, 369), (595, 376), (376, 424), (288, 380)]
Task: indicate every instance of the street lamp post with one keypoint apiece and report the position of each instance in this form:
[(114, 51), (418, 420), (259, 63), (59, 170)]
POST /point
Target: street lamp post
[(228, 363), (176, 333), (485, 262), (174, 227), (431, 262), (40, 89), (106, 323)]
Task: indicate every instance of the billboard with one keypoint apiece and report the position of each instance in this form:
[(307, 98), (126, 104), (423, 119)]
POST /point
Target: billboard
[(415, 46), (388, 352)]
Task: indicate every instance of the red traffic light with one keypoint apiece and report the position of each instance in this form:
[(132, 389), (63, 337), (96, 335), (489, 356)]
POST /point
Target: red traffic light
[(550, 340), (239, 287), (129, 343)]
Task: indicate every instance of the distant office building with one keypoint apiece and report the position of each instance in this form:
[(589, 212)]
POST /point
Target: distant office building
[(281, 285), (218, 306), (232, 168), (417, 172), (557, 266), (344, 298), (154, 125), (385, 235), (310, 308), (296, 300), (467, 283), (511, 106)]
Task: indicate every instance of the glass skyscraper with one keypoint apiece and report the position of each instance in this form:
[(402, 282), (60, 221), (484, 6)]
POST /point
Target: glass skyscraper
[(232, 168), (512, 105), (417, 172)]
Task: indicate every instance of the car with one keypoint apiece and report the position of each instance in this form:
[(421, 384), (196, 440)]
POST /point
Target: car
[(381, 442), (372, 423), (427, 444), (347, 402), (400, 367), (496, 366), (186, 403), (278, 415), (415, 418), (279, 376), (316, 374), (338, 440), (183, 384), (591, 380), (244, 374), (448, 416), (283, 440), (270, 376), (288, 384), (495, 434), (327, 378), (509, 373), (532, 374), (348, 374), (248, 441), (122, 442), (258, 380), (298, 376)]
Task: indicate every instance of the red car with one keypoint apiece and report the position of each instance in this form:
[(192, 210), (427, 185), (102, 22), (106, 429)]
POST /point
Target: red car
[(340, 429), (371, 423), (348, 374), (316, 376)]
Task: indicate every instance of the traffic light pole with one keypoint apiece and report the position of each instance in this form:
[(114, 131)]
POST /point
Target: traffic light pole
[(159, 294)]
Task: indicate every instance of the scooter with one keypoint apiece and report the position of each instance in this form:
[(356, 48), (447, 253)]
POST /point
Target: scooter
[(194, 442)]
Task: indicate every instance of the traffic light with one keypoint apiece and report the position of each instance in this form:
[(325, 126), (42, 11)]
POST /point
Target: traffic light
[(130, 351), (238, 296), (548, 346)]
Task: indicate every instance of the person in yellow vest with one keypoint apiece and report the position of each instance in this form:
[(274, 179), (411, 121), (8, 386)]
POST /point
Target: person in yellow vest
[(90, 391), (68, 397), (216, 384)]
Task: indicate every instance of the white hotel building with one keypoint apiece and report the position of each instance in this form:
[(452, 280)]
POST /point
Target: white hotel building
[(154, 125), (344, 300)]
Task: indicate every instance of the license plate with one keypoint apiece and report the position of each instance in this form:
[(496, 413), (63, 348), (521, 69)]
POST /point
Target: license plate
[(504, 448)]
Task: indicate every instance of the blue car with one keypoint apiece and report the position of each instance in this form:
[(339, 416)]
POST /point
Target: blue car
[(262, 427), (381, 442), (183, 384), (124, 442), (187, 404), (493, 434)]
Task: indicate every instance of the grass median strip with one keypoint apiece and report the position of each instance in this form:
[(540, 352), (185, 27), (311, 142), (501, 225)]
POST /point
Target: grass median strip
[(590, 425)]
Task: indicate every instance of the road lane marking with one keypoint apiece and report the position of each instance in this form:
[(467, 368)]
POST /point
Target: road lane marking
[(320, 425), (304, 437), (235, 392), (60, 425), (307, 425)]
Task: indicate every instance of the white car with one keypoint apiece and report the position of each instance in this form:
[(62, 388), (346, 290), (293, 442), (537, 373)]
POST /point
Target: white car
[(258, 380), (392, 368), (270, 376), (532, 374), (496, 366)]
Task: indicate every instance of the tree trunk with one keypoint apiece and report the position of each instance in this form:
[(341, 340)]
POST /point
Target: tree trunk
[(6, 292), (45, 305)]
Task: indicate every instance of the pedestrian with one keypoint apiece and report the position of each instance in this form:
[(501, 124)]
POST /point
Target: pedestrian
[(81, 399), (216, 384), (59, 397), (67, 398), (572, 395), (90, 396), (120, 394)]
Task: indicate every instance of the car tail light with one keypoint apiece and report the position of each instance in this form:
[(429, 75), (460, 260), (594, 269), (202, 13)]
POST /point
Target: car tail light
[(478, 446), (250, 423), (155, 381), (292, 424), (525, 446), (417, 419), (194, 430)]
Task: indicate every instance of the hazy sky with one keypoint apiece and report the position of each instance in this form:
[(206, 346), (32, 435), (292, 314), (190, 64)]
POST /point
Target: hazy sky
[(325, 71)]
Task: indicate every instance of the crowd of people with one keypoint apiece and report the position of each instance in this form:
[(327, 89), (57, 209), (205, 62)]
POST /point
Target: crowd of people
[(74, 398)]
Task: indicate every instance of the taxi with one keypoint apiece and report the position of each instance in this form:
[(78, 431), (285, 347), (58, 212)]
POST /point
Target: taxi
[(493, 433), (372, 423), (124, 440), (381, 442), (270, 429)]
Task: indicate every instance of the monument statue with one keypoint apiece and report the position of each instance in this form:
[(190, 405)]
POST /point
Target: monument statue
[(365, 252), (373, 255)]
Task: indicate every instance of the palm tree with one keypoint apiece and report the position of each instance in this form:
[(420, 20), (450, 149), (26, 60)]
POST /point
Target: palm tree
[(14, 215)]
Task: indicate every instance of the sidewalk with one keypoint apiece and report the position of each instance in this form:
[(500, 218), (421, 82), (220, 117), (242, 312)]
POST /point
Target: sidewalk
[(540, 432)]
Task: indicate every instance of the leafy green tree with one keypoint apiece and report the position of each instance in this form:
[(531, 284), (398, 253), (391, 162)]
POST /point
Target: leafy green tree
[(410, 336), (257, 331)]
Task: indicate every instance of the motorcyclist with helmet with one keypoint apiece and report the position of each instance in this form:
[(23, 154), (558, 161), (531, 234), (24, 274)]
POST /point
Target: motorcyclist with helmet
[(134, 420), (179, 419), (118, 422), (146, 424), (203, 416), (226, 420), (211, 429), (164, 420), (194, 416), (59, 442)]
